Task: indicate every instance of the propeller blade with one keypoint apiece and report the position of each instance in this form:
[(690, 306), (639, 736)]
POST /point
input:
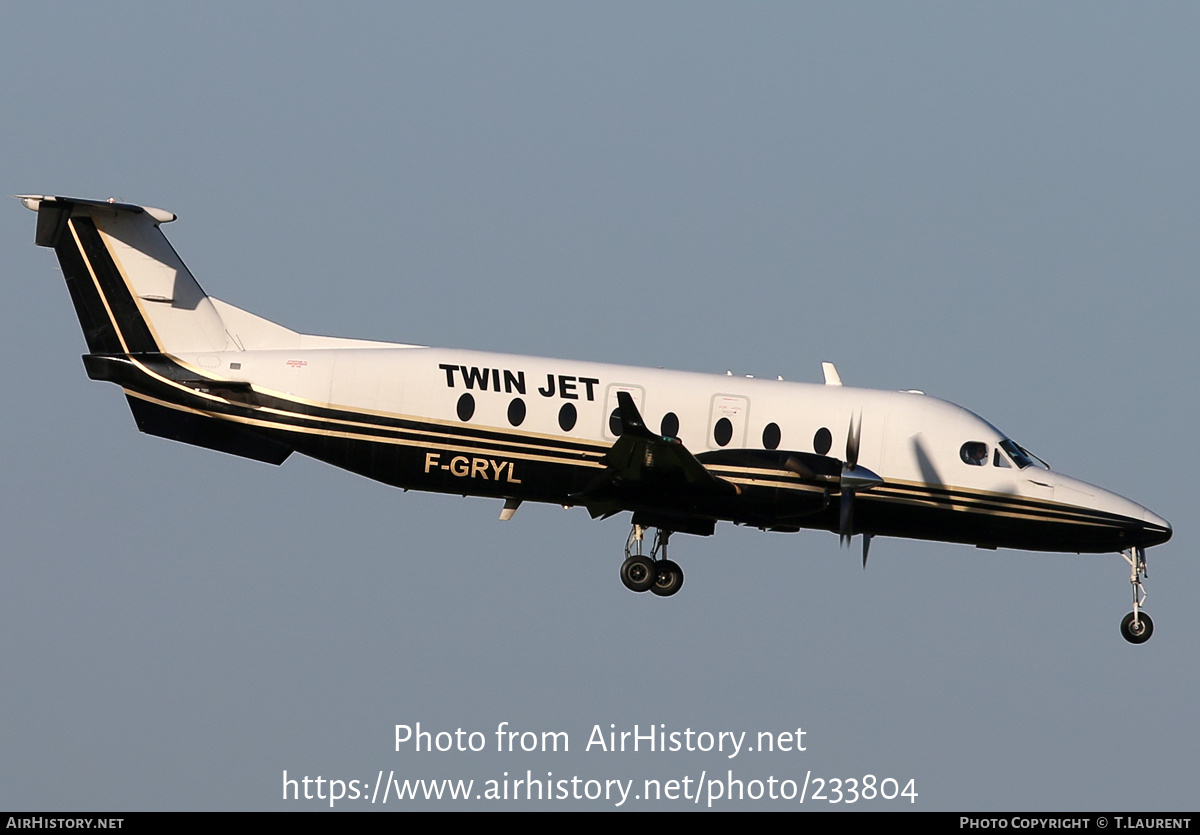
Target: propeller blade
[(795, 465), (854, 478), (846, 521), (852, 439)]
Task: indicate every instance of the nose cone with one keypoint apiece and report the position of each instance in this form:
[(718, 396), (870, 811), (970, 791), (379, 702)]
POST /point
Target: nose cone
[(1155, 529), (1125, 523)]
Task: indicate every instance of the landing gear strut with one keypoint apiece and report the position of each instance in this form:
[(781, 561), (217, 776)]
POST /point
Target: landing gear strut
[(654, 573), (1136, 627)]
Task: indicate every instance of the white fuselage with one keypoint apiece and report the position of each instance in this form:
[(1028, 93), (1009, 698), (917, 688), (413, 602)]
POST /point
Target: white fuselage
[(906, 437)]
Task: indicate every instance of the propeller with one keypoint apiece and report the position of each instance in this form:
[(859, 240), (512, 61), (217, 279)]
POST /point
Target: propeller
[(853, 478)]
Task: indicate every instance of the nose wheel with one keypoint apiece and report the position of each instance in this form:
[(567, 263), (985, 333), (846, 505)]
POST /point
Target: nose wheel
[(1136, 627), (1137, 631), (654, 573)]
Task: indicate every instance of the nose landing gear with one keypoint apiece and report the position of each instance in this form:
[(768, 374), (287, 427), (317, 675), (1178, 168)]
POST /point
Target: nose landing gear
[(654, 573), (1136, 627)]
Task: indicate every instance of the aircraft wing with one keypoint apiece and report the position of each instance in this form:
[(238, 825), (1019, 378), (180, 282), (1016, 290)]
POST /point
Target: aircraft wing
[(645, 468)]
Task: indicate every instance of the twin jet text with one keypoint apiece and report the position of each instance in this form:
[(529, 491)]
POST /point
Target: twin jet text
[(502, 379)]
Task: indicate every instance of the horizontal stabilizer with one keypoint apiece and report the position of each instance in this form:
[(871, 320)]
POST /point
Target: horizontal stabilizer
[(206, 432)]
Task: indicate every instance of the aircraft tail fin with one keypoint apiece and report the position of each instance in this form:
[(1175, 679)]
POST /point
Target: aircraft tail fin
[(138, 304), (131, 291)]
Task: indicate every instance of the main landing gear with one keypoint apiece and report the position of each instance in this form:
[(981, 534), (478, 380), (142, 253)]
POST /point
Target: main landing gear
[(1136, 627), (654, 573)]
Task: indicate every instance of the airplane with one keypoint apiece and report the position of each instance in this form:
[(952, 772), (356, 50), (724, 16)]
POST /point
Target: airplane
[(765, 453)]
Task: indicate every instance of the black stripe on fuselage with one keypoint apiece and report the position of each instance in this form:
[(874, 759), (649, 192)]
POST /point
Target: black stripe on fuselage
[(305, 415), (393, 450), (996, 503), (1071, 530)]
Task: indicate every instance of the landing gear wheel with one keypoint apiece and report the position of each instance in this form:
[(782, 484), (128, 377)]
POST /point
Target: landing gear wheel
[(638, 573), (1137, 633), (668, 578)]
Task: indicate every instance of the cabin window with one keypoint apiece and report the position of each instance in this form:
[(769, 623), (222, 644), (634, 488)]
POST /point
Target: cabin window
[(669, 428), (771, 436), (723, 432), (974, 453), (567, 417), (998, 459), (822, 441), (614, 421), (466, 407), (516, 411)]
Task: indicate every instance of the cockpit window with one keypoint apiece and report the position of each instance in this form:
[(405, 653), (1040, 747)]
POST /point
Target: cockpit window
[(974, 453), (998, 459), (1022, 457)]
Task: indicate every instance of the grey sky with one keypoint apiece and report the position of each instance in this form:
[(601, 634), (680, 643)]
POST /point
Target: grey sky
[(995, 204)]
